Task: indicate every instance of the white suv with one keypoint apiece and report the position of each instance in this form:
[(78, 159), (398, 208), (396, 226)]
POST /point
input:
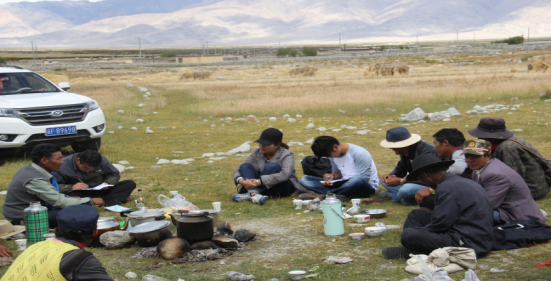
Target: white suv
[(33, 110)]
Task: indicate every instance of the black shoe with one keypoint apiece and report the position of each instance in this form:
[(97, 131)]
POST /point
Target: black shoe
[(409, 202), (397, 253)]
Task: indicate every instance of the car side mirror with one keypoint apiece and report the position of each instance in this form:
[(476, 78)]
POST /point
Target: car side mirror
[(64, 86)]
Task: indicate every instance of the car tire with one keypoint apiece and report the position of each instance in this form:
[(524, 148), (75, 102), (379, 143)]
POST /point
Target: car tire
[(92, 144)]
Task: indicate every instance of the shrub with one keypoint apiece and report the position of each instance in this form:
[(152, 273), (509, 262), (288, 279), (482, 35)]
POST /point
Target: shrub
[(2, 60), (168, 54), (512, 40), (283, 52), (310, 52), (546, 95)]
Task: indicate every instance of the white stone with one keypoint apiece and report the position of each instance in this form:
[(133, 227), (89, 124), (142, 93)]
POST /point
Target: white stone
[(120, 127), (298, 116), (121, 111), (180, 162), (142, 89), (163, 161), (218, 158), (208, 154), (148, 93), (272, 119), (342, 111), (321, 129), (286, 115), (405, 125), (145, 96), (210, 161), (367, 109), (351, 127), (228, 119), (139, 105), (310, 141), (123, 162), (291, 120), (446, 120), (269, 74), (420, 121), (517, 130), (130, 274), (295, 142), (111, 132), (213, 125), (336, 130), (129, 85), (148, 131), (189, 159), (310, 126), (240, 149), (362, 132), (301, 154), (514, 99), (139, 120), (219, 78), (453, 111), (134, 129), (119, 167), (415, 115)]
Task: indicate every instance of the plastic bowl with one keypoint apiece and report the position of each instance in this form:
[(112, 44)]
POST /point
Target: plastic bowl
[(305, 202), (375, 213), (297, 274), (356, 236), (374, 231)]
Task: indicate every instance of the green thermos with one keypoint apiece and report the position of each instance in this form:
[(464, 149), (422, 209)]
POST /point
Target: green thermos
[(36, 222), (333, 220)]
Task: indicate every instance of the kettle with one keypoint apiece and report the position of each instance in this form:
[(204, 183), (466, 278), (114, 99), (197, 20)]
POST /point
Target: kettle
[(333, 220)]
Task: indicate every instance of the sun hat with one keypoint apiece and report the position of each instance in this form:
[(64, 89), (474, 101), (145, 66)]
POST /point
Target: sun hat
[(399, 137), (424, 162), (491, 128), (269, 136), (476, 147), (80, 218), (8, 230)]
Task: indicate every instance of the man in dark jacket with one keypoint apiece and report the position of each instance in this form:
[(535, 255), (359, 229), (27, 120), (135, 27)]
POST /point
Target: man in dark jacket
[(515, 152), (408, 146), (88, 169), (462, 214)]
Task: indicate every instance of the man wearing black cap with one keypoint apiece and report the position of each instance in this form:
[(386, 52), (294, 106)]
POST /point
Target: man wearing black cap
[(462, 217), (268, 171), (408, 146), (515, 152), (63, 258)]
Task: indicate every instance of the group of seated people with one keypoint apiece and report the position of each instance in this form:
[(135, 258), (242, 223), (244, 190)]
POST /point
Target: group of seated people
[(463, 187)]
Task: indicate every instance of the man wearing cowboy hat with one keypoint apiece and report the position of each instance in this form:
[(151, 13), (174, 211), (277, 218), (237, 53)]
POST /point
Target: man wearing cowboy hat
[(408, 146), (508, 193), (462, 214), (515, 152)]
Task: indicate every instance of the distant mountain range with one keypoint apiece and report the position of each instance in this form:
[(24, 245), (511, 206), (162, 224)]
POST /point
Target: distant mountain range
[(119, 23)]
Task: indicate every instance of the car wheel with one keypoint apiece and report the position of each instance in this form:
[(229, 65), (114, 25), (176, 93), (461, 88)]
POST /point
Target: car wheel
[(92, 144)]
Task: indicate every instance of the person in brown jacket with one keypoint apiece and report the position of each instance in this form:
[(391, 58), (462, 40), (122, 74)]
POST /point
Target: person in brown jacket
[(515, 152), (509, 195)]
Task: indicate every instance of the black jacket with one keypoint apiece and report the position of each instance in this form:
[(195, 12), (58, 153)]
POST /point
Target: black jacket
[(404, 165)]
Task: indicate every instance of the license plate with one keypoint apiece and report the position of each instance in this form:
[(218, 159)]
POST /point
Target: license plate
[(68, 130)]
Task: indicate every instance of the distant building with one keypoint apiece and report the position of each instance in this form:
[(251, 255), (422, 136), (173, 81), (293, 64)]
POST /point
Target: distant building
[(198, 59)]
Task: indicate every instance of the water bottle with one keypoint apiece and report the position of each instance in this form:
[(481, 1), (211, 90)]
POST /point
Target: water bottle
[(333, 220), (36, 222), (140, 203)]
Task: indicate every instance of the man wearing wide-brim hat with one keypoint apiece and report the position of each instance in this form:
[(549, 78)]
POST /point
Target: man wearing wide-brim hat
[(408, 146), (8, 230), (515, 152), (462, 214)]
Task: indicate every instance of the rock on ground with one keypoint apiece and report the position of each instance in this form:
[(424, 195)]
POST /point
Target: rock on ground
[(201, 255), (225, 242), (333, 259), (286, 116), (453, 111), (119, 167), (204, 245), (272, 119), (291, 120), (310, 126), (131, 275), (117, 239), (5, 261), (240, 149), (172, 248), (244, 235), (414, 115), (150, 252), (437, 116), (163, 161)]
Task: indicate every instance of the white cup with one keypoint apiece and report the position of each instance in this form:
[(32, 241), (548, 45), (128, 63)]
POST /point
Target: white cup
[(356, 202), (21, 244), (362, 218), (173, 193), (216, 206), (297, 203)]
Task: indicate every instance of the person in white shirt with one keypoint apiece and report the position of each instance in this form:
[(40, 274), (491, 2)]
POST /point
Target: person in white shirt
[(353, 174)]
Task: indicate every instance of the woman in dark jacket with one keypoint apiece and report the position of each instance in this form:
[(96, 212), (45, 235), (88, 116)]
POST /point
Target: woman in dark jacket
[(268, 171)]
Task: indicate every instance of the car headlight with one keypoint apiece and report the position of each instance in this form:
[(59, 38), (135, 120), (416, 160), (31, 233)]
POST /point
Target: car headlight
[(6, 112), (92, 105)]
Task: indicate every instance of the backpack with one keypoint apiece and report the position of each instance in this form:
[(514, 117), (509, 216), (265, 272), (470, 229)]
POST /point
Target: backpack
[(315, 166)]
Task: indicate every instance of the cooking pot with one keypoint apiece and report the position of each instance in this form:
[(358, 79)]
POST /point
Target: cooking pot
[(193, 226), (105, 224), (150, 234), (142, 216), (212, 213)]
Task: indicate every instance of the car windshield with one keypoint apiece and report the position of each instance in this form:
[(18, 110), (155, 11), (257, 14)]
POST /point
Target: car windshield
[(20, 83)]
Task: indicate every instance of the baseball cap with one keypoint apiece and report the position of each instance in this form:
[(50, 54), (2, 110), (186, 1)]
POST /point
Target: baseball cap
[(80, 218), (269, 136), (476, 147)]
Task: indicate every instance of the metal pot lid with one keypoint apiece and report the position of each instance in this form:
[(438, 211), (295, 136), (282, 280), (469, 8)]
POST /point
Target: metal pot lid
[(196, 214), (211, 212), (330, 198), (149, 227), (104, 219), (147, 213)]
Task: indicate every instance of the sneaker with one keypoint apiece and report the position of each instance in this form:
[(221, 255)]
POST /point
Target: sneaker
[(396, 253), (308, 196), (385, 194), (260, 199), (241, 197), (409, 202)]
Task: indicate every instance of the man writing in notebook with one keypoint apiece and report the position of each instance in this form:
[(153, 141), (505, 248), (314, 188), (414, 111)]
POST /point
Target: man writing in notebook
[(82, 171)]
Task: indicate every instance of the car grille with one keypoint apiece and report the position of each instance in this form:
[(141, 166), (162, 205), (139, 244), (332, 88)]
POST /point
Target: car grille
[(43, 137), (41, 116)]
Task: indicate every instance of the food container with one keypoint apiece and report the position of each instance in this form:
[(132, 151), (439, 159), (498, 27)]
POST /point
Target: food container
[(150, 234), (356, 236), (297, 274), (194, 227), (374, 231), (144, 215), (361, 218), (375, 213)]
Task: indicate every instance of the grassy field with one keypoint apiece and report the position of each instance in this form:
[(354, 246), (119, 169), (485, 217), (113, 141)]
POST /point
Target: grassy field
[(188, 118)]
